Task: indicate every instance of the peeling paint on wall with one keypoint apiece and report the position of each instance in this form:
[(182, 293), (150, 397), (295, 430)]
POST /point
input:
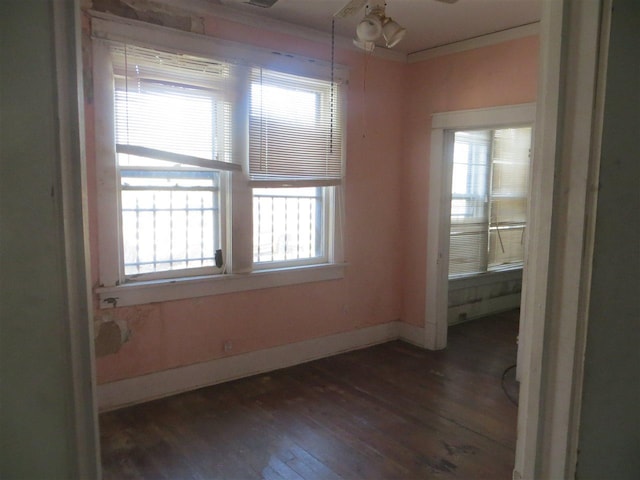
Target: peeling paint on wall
[(471, 298), (480, 293), (151, 12), (110, 335)]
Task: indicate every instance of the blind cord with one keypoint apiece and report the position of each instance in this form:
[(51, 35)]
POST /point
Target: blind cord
[(364, 95), (126, 87)]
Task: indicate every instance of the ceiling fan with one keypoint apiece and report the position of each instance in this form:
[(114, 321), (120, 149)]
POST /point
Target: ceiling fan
[(375, 25)]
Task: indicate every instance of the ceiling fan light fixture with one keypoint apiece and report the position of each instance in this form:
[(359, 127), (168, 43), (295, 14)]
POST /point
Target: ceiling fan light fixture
[(363, 45), (369, 28), (392, 32)]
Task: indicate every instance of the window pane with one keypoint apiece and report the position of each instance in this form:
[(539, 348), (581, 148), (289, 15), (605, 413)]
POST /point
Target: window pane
[(287, 224), (469, 202), (174, 121), (469, 180), (170, 220), (509, 193), (506, 245)]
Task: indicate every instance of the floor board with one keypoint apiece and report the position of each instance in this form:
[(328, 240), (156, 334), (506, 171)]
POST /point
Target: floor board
[(392, 411)]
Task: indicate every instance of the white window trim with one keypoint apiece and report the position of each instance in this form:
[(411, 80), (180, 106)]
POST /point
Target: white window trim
[(191, 287), (476, 280), (239, 248), (502, 268)]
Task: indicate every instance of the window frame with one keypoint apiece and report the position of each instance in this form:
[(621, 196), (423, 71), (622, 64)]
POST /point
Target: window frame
[(235, 190)]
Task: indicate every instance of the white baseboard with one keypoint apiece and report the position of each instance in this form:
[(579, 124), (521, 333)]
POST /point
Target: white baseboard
[(411, 334), (130, 391)]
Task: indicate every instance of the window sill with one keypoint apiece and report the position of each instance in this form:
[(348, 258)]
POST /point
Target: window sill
[(139, 293), (494, 276)]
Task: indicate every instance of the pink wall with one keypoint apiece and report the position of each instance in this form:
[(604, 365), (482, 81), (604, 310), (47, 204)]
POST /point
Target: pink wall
[(503, 74), (171, 334), (388, 131)]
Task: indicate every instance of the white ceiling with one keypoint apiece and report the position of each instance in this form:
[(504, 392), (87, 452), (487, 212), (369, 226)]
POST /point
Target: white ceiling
[(429, 23)]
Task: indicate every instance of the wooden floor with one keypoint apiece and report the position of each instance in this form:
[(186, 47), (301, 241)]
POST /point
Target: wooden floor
[(389, 411)]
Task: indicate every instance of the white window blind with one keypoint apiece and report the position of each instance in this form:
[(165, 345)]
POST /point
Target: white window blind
[(171, 102), (295, 130), (488, 199)]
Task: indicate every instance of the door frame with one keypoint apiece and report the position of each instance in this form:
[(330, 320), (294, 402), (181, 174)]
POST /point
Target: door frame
[(438, 216), (574, 42), (557, 274)]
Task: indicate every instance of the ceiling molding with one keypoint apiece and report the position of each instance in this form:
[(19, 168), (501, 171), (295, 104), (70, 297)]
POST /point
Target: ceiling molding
[(476, 42), (207, 7)]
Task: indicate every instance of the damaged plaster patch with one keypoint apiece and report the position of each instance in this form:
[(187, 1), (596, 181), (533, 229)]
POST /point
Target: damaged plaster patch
[(110, 335), (152, 12)]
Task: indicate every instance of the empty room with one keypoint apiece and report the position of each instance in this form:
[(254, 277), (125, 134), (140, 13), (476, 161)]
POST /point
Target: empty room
[(320, 236), (305, 240)]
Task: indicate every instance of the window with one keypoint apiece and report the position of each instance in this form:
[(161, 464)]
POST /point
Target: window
[(170, 211), (489, 191), (295, 163), (196, 151)]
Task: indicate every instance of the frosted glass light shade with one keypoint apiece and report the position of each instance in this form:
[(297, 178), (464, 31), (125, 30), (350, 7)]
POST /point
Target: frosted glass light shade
[(364, 45), (393, 33), (369, 28)]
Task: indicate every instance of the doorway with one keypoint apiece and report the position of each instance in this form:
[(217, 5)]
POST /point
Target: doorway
[(474, 227)]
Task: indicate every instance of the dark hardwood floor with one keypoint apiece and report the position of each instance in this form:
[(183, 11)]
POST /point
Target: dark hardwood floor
[(389, 411)]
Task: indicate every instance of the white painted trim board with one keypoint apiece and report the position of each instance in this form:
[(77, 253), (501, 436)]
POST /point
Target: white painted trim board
[(135, 390), (560, 245), (514, 33)]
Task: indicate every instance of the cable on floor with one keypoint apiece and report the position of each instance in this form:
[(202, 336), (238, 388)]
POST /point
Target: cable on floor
[(504, 388)]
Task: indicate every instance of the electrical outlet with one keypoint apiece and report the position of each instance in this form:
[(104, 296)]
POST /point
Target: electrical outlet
[(227, 345)]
